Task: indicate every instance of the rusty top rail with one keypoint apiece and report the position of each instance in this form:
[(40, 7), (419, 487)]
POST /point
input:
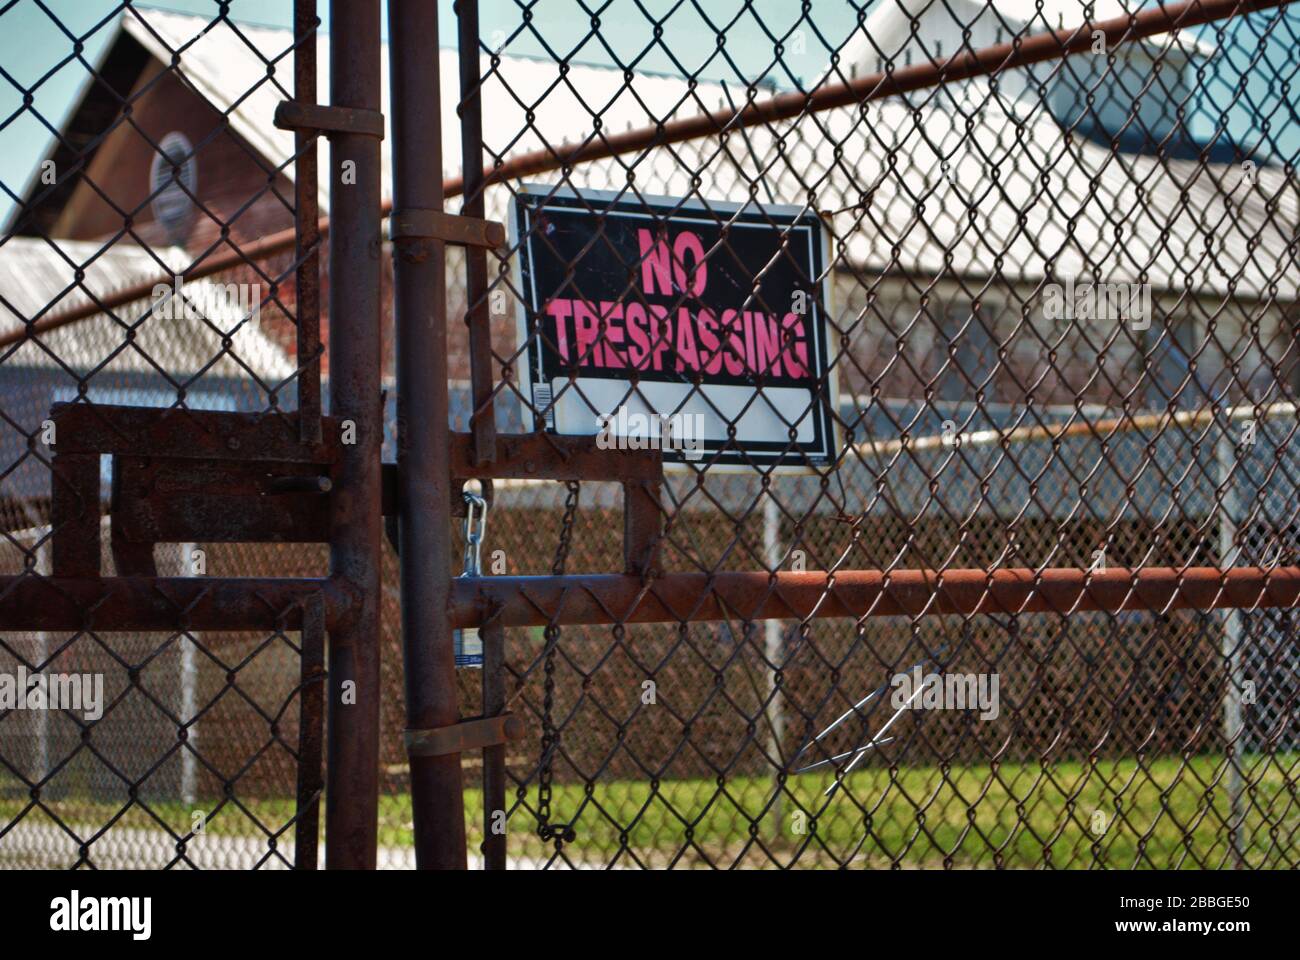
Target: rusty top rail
[(855, 594), (164, 603)]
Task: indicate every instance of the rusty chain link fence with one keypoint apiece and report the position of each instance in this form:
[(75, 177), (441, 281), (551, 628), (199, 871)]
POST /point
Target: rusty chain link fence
[(1033, 605), (143, 323)]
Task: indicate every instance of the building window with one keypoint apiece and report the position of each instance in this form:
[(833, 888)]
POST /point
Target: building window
[(1170, 365), (172, 173), (976, 351)]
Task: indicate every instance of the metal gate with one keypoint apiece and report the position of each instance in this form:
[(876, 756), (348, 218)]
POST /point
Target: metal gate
[(1033, 606), (171, 479)]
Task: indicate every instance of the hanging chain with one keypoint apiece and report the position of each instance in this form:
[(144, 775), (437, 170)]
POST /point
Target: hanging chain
[(550, 735), (476, 511)]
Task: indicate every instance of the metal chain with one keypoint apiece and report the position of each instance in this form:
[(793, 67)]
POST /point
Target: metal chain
[(550, 735), (476, 511)]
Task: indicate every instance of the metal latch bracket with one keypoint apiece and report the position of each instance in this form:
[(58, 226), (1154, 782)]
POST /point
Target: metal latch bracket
[(474, 734), (422, 224), (322, 118)]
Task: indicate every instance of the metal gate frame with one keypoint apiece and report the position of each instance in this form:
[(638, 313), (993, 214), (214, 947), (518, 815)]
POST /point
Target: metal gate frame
[(336, 483)]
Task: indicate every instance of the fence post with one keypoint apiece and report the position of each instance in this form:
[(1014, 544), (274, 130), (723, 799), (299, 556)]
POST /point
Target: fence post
[(774, 654), (189, 698), (1234, 739), (352, 792), (307, 226), (479, 316), (423, 441)]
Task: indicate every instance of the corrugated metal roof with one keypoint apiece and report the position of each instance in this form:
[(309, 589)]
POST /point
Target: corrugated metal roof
[(38, 278)]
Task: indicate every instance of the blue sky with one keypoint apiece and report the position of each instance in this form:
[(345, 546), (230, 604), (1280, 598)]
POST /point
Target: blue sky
[(31, 45)]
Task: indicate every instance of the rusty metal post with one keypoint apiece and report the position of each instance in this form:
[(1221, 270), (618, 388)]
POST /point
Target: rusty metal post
[(478, 316), (310, 733), (423, 442), (74, 515), (494, 757), (352, 793), (306, 219)]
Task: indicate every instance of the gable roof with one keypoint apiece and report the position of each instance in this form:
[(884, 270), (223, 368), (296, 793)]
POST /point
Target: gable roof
[(1188, 224), (245, 71)]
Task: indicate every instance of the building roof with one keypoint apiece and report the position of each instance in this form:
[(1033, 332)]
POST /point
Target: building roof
[(1018, 192), (38, 278), (1015, 198), (889, 26), (230, 65), (122, 358)]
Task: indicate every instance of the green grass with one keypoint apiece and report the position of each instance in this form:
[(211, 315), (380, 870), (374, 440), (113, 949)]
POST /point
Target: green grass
[(1164, 813)]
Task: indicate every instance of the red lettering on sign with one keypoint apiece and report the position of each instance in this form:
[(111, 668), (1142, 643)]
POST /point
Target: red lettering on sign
[(792, 328), (767, 345), (560, 310), (636, 322), (586, 328), (697, 277), (654, 263), (710, 345), (613, 335), (613, 332)]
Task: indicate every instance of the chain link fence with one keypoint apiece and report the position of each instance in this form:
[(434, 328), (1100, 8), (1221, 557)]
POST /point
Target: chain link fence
[(132, 276), (995, 411), (1058, 307)]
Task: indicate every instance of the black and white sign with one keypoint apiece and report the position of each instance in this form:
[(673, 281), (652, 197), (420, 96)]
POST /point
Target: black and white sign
[(713, 310)]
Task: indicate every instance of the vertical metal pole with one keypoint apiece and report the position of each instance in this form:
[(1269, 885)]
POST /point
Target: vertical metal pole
[(189, 698), (352, 792), (311, 674), (494, 757), (772, 632), (42, 654), (479, 317), (423, 441), (306, 219), (1233, 727), (74, 515)]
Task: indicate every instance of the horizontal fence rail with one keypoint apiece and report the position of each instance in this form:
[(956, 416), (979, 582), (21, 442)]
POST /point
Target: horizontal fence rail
[(855, 594)]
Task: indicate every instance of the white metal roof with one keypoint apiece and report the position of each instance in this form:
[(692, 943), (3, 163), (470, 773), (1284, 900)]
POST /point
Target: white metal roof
[(1011, 197), (38, 279), (1183, 225), (228, 64), (889, 25)]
